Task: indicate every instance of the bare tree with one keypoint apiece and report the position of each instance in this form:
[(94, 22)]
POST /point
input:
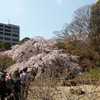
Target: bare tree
[(85, 26), (80, 23), (45, 87)]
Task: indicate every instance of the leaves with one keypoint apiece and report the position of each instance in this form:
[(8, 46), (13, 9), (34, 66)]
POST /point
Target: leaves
[(5, 62)]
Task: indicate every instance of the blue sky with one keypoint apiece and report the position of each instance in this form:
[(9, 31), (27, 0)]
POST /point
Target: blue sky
[(39, 17)]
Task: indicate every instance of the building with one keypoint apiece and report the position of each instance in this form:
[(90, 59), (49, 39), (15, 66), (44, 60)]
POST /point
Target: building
[(9, 33)]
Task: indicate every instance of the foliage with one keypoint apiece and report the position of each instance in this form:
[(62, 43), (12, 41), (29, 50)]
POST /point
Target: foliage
[(60, 45), (40, 52), (5, 62), (95, 27), (4, 46), (23, 40), (1, 45), (95, 17), (79, 36), (94, 74), (7, 45)]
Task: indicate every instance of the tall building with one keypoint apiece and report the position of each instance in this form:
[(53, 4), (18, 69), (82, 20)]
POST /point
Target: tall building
[(9, 33)]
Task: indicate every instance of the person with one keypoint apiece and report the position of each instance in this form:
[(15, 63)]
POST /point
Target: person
[(27, 78), (17, 85), (24, 82), (7, 79), (5, 91), (21, 73), (3, 87), (9, 86)]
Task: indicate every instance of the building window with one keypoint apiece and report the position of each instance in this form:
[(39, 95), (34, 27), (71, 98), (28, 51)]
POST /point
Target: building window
[(15, 35), (15, 28), (16, 31), (1, 29), (7, 38), (8, 34), (1, 33), (8, 27), (16, 40), (7, 30), (1, 25), (1, 38)]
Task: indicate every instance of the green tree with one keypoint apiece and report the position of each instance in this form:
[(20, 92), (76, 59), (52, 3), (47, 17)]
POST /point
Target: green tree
[(5, 62), (1, 46), (4, 46), (7, 45), (23, 40)]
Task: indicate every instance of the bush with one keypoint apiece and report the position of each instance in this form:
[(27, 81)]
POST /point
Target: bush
[(5, 62)]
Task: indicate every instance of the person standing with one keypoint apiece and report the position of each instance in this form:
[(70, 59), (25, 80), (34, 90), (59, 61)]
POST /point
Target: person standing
[(3, 87), (17, 85)]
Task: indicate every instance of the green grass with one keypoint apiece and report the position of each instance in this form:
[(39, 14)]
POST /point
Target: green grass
[(92, 75)]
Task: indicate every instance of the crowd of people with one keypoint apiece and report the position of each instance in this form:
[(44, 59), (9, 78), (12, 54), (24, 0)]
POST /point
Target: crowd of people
[(12, 87)]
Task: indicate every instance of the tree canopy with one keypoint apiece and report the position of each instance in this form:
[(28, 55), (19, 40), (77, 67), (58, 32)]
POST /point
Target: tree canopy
[(82, 36), (5, 62), (4, 46), (23, 40), (95, 26)]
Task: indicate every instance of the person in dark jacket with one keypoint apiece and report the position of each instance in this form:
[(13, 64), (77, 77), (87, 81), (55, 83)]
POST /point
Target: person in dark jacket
[(17, 85), (3, 87)]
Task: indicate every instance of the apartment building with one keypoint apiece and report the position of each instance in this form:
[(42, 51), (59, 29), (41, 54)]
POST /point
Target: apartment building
[(9, 33)]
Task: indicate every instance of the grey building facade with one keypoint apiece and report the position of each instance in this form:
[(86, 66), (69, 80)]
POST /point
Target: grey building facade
[(9, 33)]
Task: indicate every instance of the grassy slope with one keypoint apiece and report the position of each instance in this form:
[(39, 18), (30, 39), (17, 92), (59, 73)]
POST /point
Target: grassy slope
[(93, 75)]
